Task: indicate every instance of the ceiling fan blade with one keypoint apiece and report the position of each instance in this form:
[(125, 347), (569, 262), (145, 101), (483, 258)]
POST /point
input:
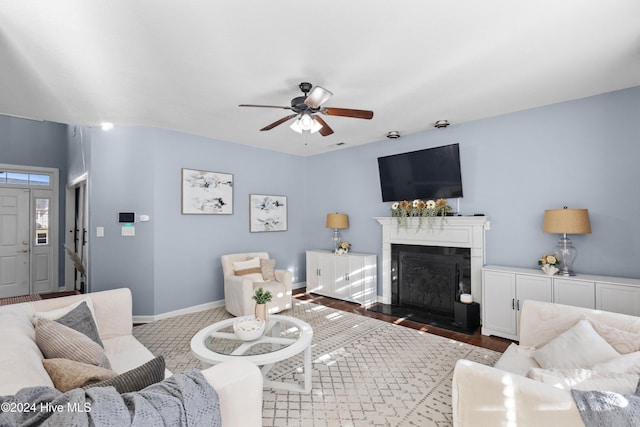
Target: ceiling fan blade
[(264, 106), (317, 97), (347, 112), (326, 129), (278, 122)]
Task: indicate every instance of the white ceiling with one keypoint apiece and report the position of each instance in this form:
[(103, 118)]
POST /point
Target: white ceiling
[(186, 65)]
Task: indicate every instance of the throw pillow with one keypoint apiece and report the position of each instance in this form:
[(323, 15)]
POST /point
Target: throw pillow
[(249, 268), (59, 312), (81, 320), (586, 379), (68, 374), (267, 268), (579, 347), (623, 341), (626, 364), (137, 378), (59, 341)]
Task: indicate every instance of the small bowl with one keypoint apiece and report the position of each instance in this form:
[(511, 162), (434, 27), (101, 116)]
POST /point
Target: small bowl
[(248, 328), (466, 298)]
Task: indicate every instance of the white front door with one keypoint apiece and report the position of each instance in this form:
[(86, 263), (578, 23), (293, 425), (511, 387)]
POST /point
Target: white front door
[(14, 242)]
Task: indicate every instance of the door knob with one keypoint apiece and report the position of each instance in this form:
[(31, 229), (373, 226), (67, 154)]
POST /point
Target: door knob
[(24, 242), (24, 250)]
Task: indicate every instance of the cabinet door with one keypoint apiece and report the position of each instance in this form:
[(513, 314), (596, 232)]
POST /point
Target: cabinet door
[(538, 288), (341, 277), (532, 287), (313, 272), (618, 298), (578, 293), (498, 303)]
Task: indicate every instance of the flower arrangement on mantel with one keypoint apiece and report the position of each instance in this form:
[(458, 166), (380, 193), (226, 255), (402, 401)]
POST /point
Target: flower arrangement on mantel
[(422, 210)]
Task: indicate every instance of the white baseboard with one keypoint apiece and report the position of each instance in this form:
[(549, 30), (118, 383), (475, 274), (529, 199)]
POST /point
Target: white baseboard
[(187, 310), (193, 309)]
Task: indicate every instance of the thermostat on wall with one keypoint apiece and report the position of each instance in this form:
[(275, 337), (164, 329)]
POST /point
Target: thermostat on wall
[(126, 217)]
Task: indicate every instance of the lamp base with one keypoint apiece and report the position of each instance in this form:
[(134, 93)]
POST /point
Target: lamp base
[(566, 254), (335, 239)]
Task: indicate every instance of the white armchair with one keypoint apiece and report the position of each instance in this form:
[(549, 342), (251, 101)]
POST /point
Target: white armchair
[(244, 273)]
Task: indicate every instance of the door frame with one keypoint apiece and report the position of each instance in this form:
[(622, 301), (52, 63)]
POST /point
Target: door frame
[(54, 220), (82, 183)]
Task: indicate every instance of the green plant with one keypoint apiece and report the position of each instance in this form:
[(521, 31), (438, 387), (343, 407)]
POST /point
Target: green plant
[(262, 297)]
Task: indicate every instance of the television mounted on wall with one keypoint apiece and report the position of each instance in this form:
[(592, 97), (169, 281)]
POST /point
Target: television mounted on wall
[(424, 174)]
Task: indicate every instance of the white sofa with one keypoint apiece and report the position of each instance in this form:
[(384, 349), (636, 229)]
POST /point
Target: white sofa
[(503, 395), (238, 383), (239, 289)]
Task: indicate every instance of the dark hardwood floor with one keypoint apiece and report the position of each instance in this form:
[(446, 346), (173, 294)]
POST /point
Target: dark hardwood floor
[(477, 339)]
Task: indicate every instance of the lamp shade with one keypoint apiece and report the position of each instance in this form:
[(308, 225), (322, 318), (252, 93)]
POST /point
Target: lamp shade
[(337, 220), (566, 221)]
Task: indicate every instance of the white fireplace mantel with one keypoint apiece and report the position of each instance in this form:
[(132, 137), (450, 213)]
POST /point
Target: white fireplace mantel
[(455, 231)]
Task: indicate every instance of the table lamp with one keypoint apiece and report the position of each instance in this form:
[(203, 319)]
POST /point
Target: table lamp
[(337, 221), (566, 221)]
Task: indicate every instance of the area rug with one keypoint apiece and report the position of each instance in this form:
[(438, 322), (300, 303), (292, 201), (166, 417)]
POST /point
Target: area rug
[(366, 372)]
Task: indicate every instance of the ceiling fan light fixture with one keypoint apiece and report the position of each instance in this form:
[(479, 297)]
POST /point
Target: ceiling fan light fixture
[(317, 97), (306, 123)]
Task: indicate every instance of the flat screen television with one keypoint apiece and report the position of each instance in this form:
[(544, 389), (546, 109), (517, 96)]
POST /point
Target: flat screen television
[(424, 174)]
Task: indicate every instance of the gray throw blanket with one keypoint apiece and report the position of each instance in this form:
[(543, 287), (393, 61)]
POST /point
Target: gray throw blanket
[(186, 400), (607, 409)]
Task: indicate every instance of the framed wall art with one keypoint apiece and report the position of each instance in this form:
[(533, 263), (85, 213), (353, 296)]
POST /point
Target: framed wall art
[(267, 213), (207, 193)]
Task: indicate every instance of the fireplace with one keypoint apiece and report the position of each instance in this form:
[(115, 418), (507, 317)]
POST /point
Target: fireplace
[(429, 279), (458, 237)]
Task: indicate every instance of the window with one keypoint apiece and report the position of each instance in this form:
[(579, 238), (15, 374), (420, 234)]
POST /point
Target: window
[(42, 221), (25, 179)]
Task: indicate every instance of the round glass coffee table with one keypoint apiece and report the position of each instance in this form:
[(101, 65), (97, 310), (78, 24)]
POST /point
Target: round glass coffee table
[(284, 337)]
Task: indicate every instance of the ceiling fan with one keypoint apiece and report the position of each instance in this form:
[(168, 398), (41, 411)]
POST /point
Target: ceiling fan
[(306, 107)]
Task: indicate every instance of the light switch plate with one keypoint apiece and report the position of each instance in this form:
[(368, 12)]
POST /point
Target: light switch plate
[(99, 231)]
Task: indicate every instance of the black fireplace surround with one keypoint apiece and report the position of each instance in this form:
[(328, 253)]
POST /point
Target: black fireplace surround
[(426, 283)]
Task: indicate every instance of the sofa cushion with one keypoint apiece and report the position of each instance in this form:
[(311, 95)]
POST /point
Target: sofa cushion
[(68, 374), (20, 357), (137, 378), (627, 363), (579, 347), (81, 320), (267, 268), (58, 341), (623, 341), (586, 379), (517, 360)]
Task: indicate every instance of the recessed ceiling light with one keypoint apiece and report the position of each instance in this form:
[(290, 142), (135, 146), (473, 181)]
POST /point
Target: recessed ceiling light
[(107, 125), (394, 134), (441, 124)]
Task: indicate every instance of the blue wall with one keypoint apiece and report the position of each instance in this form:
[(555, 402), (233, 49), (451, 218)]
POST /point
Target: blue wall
[(34, 143), (582, 154), (173, 262)]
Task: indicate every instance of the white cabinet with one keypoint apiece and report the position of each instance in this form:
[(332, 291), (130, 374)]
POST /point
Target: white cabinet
[(579, 293), (618, 298), (350, 277), (504, 289), (502, 296)]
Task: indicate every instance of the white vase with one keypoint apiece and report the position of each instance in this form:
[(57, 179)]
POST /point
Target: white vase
[(549, 269)]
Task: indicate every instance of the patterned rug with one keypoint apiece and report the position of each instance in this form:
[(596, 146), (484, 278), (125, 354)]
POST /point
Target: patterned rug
[(366, 372)]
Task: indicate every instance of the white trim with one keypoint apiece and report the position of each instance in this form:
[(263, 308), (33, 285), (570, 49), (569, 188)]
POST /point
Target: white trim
[(193, 309), (188, 310)]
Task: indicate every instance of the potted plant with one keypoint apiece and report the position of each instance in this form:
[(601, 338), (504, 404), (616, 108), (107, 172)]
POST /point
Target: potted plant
[(262, 297)]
